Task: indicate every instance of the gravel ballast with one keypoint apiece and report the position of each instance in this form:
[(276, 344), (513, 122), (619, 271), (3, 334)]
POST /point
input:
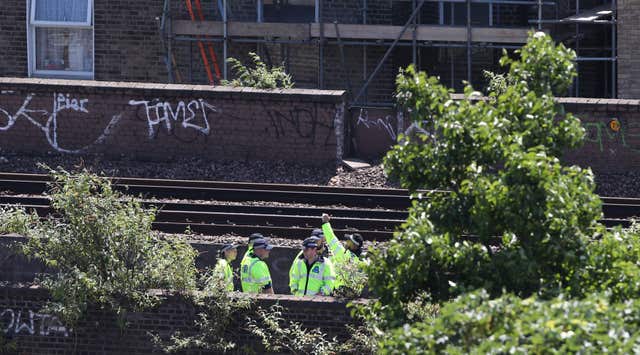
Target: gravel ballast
[(608, 184)]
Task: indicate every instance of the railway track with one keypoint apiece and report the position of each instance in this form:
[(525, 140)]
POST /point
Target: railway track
[(283, 221)]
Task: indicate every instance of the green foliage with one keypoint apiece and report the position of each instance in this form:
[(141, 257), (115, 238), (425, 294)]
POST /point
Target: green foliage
[(476, 324), (542, 66), (258, 75), (498, 159), (103, 249), (16, 220), (278, 335), (497, 83), (354, 279), (613, 265), (219, 323)]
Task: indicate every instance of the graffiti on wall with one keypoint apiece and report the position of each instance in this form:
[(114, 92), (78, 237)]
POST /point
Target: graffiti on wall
[(75, 123), (47, 121), (191, 115), (385, 123), (31, 323), (600, 134), (301, 121)]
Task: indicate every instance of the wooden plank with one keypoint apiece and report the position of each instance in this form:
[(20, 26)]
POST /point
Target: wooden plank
[(242, 29), (190, 28), (423, 33), (499, 35), (350, 31)]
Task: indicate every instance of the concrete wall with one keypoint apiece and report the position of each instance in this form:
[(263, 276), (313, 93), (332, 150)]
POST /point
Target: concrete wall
[(36, 332), (160, 122)]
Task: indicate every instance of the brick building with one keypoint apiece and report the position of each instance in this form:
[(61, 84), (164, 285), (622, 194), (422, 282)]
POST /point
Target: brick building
[(326, 44)]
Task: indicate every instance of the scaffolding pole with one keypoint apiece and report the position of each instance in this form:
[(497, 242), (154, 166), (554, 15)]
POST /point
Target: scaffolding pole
[(386, 55), (469, 33), (465, 44), (320, 46), (614, 47), (225, 34), (414, 54), (364, 48)]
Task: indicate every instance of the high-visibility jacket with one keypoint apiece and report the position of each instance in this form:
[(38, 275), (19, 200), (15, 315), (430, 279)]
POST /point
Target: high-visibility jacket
[(340, 254), (246, 253), (310, 280), (254, 274), (223, 268)]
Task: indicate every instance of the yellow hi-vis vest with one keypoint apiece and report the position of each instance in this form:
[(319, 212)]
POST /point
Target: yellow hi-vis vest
[(223, 268), (254, 274), (341, 255), (310, 280)]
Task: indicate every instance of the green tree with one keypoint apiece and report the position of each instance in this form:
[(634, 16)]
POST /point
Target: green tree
[(498, 159)]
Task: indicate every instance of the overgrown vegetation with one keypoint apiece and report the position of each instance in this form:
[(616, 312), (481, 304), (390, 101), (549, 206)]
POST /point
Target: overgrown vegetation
[(102, 247), (258, 75), (354, 280), (104, 253), (219, 323), (513, 258)]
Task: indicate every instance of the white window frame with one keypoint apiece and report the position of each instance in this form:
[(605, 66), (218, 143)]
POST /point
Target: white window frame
[(32, 24)]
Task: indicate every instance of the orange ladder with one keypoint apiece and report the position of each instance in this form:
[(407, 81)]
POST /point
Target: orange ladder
[(203, 53)]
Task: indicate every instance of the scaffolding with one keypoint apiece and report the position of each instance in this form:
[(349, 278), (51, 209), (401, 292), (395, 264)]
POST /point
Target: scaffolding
[(412, 34)]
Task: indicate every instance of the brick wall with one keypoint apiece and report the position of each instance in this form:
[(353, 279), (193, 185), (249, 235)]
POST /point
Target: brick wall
[(36, 332), (13, 37), (127, 41), (628, 49), (603, 150), (160, 122), (15, 267)]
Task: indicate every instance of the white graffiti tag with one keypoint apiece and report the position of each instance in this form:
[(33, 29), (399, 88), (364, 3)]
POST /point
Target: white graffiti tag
[(61, 103), (384, 123), (17, 322), (162, 112)]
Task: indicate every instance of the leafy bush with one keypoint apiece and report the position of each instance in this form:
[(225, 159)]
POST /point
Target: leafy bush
[(103, 249), (219, 323), (354, 279), (613, 265), (278, 335), (258, 75), (476, 324), (16, 220)]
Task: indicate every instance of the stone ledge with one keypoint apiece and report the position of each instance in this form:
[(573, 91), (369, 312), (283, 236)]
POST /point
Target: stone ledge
[(173, 89)]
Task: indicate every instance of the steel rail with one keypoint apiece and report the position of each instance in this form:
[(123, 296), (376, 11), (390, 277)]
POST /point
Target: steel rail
[(264, 186), (221, 207)]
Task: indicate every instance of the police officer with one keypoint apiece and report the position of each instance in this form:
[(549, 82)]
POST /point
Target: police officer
[(354, 243), (254, 272), (314, 236), (311, 274), (340, 254), (223, 266), (322, 245), (253, 237)]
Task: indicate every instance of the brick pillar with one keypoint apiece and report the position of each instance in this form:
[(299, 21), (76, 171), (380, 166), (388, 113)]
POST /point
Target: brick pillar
[(628, 49)]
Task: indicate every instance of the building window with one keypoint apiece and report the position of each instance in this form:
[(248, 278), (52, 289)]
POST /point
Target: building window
[(60, 38)]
